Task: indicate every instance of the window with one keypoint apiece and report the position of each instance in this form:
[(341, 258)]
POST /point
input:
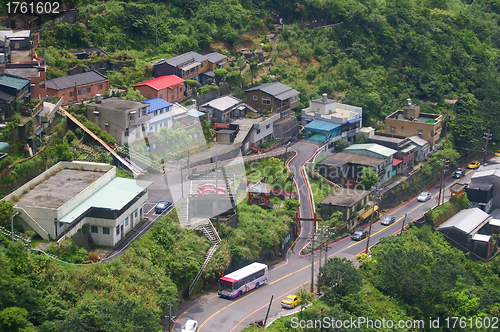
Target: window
[(285, 113), (71, 93), (180, 89), (162, 110), (173, 94), (432, 133), (420, 131), (79, 91), (202, 65), (161, 95), (126, 132), (131, 116), (117, 230), (149, 96), (155, 113), (267, 126), (89, 89), (93, 229), (135, 213), (105, 230), (255, 97), (100, 87), (402, 128), (393, 129), (266, 100), (126, 222), (258, 131), (61, 224)]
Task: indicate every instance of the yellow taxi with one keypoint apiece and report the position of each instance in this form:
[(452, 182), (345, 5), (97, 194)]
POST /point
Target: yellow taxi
[(290, 302), (474, 164), (497, 153)]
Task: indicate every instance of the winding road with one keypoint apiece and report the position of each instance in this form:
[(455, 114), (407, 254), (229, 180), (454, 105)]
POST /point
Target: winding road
[(216, 314)]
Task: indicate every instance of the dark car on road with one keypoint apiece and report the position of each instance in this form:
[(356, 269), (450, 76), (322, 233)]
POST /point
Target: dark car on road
[(387, 220), (162, 206), (459, 173), (359, 235)]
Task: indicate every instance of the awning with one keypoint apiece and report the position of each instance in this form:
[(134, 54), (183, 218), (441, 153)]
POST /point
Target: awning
[(3, 145), (191, 65), (396, 162), (354, 120), (481, 238), (368, 213), (39, 130), (322, 126), (408, 148), (494, 222)]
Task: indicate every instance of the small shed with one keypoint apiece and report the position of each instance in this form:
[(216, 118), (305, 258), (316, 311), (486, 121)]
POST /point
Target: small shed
[(457, 190), (259, 191)]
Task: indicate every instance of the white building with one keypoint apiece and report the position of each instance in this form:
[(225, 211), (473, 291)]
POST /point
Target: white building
[(69, 195)]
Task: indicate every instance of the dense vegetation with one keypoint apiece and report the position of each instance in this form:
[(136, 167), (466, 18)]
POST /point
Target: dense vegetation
[(412, 277)]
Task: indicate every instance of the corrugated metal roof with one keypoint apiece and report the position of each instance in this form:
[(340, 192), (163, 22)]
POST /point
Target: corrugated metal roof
[(409, 148), (185, 57), (418, 140), (13, 81), (323, 126), (223, 103), (466, 220), (276, 89), (372, 147), (71, 81), (215, 57), (481, 238), (114, 196), (484, 172), (162, 82)]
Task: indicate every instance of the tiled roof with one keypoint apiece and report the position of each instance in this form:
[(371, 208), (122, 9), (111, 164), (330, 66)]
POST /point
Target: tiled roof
[(185, 57), (70, 81), (276, 89), (161, 82), (215, 57)]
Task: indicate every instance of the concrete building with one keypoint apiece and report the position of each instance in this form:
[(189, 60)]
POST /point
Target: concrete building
[(78, 87), (169, 88), (325, 120), (126, 120), (377, 151), (161, 115), (12, 89), (191, 65), (405, 155), (35, 72), (17, 39), (410, 121), (470, 228), (351, 202), (69, 195), (346, 168), (225, 109), (487, 175), (423, 148)]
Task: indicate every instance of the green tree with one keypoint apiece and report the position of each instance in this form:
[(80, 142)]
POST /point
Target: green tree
[(305, 296), (292, 204), (220, 74), (336, 219), (340, 145), (369, 177), (5, 213), (14, 319), (339, 277)]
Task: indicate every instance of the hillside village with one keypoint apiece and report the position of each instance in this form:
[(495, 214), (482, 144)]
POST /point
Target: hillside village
[(87, 164)]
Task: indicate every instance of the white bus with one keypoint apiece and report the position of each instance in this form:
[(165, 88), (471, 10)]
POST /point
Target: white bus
[(242, 280)]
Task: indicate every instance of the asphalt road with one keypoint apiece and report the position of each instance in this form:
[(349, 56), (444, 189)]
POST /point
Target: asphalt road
[(222, 315)]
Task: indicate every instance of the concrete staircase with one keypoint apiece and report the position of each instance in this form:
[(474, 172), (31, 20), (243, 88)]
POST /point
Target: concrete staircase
[(212, 235)]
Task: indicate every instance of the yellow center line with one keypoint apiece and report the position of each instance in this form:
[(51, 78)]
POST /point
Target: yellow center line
[(308, 266)]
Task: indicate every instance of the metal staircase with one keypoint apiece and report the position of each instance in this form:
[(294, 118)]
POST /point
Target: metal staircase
[(212, 235)]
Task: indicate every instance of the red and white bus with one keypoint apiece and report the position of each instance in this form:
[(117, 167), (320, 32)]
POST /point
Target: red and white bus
[(243, 280)]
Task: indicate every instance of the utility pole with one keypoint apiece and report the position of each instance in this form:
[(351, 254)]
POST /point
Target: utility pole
[(487, 136), (169, 316), (319, 264), (441, 189), (376, 193), (12, 225), (312, 264), (401, 233)]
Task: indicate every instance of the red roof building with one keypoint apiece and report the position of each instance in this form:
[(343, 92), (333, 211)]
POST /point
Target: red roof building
[(169, 88)]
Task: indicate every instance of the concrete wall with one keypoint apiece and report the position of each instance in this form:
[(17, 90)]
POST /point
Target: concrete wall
[(257, 104), (264, 132), (72, 93), (408, 128)]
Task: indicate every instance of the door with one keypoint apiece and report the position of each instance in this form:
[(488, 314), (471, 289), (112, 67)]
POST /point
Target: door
[(121, 227)]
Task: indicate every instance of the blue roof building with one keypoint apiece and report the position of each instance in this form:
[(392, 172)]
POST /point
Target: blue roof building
[(161, 114)]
